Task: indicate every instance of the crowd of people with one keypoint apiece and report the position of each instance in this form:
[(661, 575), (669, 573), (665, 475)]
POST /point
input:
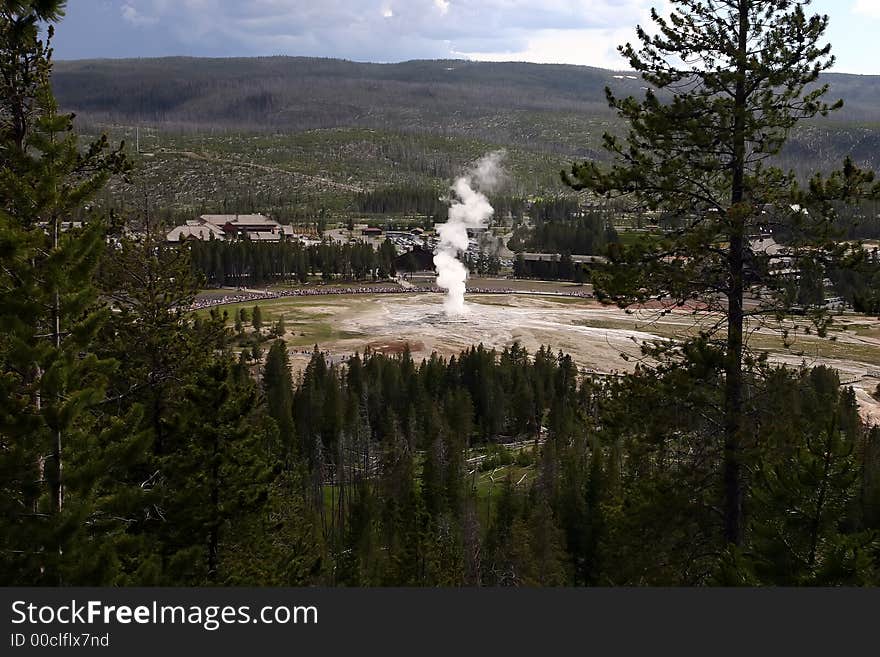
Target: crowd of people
[(247, 297)]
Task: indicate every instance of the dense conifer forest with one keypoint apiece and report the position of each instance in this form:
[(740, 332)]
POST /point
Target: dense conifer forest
[(244, 262)]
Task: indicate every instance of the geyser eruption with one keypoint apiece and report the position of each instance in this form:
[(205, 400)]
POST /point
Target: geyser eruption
[(469, 209)]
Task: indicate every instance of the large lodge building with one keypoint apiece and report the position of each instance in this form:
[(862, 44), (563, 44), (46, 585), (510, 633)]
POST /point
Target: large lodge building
[(255, 227)]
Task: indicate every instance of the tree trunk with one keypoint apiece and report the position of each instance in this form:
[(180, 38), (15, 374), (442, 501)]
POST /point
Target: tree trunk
[(733, 391), (733, 396), (214, 528), (57, 482)]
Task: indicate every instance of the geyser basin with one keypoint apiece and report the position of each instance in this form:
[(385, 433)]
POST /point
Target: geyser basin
[(595, 336), (442, 318), (496, 321)]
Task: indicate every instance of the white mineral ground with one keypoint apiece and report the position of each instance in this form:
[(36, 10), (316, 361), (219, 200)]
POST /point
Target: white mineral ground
[(594, 335)]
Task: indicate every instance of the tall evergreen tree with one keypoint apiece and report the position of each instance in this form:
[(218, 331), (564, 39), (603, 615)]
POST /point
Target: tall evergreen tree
[(151, 286), (278, 387), (729, 80), (805, 493), (51, 378), (216, 475), (257, 319)]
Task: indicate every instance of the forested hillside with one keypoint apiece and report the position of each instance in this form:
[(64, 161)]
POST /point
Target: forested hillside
[(495, 102), (550, 108)]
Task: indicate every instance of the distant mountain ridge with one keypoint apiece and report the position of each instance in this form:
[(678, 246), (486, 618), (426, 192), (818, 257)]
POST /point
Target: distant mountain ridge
[(550, 108), (170, 88)]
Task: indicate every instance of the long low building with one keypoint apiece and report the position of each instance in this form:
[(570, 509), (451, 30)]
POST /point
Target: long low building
[(556, 257), (256, 227)]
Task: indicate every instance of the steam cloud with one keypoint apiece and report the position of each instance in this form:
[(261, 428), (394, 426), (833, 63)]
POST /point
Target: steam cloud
[(469, 209)]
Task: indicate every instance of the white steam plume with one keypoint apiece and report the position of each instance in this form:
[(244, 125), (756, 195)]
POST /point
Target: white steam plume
[(469, 209)]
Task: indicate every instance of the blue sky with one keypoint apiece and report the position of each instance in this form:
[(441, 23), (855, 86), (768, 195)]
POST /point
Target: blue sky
[(557, 31)]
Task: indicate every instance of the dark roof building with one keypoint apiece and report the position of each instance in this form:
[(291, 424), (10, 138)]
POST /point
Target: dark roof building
[(419, 259)]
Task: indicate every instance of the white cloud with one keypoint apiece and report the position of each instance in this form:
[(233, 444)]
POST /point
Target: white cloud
[(870, 8), (613, 24), (136, 18), (585, 47), (442, 5)]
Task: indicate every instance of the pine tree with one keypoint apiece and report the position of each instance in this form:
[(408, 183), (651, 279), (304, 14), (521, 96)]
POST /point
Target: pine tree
[(216, 474), (278, 387), (805, 495), (151, 286), (280, 329), (401, 515), (51, 378), (729, 82), (257, 319)]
